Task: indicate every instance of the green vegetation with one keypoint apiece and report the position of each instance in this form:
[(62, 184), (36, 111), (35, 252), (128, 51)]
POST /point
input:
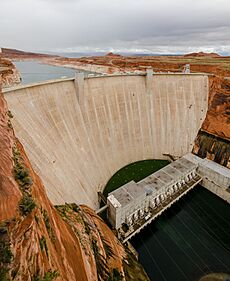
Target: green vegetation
[(73, 215), (22, 176), (9, 124), (64, 209), (36, 219), (14, 272), (4, 274), (51, 275), (48, 226), (5, 252), (21, 173), (135, 171), (115, 275), (87, 228), (6, 255), (70, 212), (26, 205), (10, 115), (43, 244), (48, 276), (133, 269), (108, 249), (101, 264)]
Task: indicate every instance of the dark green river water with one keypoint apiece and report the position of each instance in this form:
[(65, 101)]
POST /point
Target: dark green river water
[(188, 241)]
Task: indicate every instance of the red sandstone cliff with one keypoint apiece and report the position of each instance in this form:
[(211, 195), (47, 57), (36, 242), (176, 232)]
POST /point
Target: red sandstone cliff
[(213, 140), (202, 54), (9, 191), (217, 121), (9, 73)]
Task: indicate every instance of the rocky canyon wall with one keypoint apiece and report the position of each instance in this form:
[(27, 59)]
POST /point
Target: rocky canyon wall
[(213, 140)]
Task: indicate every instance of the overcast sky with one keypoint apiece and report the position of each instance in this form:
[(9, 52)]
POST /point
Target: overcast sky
[(159, 26)]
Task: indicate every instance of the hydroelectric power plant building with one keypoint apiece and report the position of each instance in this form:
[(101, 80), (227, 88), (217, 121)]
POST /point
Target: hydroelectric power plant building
[(134, 205), (132, 201)]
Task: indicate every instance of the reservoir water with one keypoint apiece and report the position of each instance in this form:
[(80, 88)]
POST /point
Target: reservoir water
[(188, 241), (32, 71)]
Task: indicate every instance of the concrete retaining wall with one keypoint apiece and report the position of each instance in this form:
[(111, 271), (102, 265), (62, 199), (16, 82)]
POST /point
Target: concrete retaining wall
[(76, 147), (216, 178)]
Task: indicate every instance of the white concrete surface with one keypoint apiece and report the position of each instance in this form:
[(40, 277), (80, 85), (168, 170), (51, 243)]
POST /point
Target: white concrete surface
[(76, 148), (132, 201), (216, 178), (164, 208)]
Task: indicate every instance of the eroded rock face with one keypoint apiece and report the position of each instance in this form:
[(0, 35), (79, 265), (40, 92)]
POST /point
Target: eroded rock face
[(10, 75), (217, 121), (202, 54), (40, 242), (212, 147), (9, 191), (213, 140)]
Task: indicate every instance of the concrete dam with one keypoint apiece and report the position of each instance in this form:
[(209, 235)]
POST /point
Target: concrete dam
[(79, 132)]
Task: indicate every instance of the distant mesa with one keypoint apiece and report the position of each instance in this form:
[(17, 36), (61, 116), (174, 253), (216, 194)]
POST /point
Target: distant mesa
[(110, 54), (6, 51), (202, 54), (18, 54)]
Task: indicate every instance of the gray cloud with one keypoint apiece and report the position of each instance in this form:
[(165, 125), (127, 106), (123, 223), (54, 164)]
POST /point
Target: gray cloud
[(142, 25)]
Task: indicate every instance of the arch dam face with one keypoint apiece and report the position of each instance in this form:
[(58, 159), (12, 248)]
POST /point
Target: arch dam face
[(76, 144)]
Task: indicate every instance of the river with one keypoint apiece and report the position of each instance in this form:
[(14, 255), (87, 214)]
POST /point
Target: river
[(188, 241)]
